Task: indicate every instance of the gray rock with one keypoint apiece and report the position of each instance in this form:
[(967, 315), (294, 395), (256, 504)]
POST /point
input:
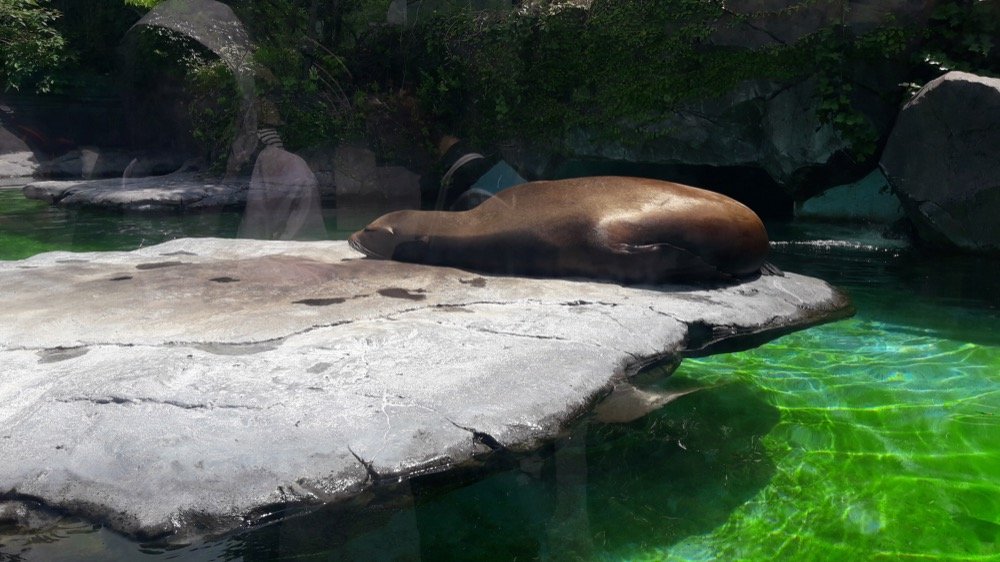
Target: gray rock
[(157, 193), (322, 162), (18, 164), (943, 161), (215, 26), (354, 172), (16, 158), (193, 386), (366, 191)]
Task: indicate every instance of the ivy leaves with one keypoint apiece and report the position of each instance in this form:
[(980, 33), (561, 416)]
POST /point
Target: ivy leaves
[(30, 48)]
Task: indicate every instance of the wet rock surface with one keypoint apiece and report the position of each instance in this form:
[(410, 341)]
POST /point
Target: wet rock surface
[(193, 386)]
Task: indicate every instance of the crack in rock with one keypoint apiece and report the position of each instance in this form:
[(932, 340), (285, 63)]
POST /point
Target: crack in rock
[(516, 335), (139, 401)]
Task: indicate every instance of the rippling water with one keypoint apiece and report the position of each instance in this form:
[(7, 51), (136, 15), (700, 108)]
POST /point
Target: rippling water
[(872, 438)]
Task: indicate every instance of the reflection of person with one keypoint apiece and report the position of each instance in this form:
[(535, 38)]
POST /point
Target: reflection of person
[(463, 178), (457, 168), (283, 202)]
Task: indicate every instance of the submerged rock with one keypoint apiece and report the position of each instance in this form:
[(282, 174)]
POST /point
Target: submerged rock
[(942, 161), (193, 386)]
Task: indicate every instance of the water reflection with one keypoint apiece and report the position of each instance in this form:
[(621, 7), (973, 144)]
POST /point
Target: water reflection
[(677, 472), (944, 295), (283, 202)]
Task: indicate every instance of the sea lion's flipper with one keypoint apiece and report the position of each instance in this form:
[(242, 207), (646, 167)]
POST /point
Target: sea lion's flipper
[(770, 269), (627, 403), (666, 261)]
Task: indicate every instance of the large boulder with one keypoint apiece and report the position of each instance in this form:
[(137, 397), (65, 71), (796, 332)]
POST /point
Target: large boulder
[(197, 385), (215, 26), (943, 161)]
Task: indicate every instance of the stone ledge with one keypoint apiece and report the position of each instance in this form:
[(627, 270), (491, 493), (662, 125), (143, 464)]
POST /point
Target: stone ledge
[(171, 192), (189, 387)]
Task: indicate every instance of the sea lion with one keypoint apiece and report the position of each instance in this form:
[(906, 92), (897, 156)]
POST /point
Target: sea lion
[(630, 230)]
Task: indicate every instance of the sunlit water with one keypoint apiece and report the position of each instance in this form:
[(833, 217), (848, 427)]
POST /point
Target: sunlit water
[(872, 438)]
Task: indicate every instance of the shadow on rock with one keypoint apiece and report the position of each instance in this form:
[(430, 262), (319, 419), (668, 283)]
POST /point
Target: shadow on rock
[(619, 490)]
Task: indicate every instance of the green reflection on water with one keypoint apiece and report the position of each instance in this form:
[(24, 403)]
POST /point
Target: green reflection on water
[(29, 227), (888, 447)]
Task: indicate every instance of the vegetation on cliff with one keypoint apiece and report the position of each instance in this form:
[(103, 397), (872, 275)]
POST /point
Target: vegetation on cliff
[(336, 70)]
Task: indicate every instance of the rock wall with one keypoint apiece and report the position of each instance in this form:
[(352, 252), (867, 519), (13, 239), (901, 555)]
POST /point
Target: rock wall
[(775, 125)]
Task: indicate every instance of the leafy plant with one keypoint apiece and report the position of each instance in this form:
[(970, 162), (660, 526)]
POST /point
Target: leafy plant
[(835, 53), (963, 35), (215, 100), (31, 49), (617, 68)]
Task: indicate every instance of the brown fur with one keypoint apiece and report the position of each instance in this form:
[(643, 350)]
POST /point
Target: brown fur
[(631, 230)]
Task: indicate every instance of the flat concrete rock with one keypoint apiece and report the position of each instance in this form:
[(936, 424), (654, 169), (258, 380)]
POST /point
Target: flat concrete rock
[(154, 193), (189, 387)]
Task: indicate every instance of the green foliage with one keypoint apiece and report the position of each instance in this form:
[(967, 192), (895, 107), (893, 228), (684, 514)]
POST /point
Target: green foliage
[(93, 30), (963, 35), (299, 69), (194, 89), (615, 69), (618, 68), (836, 54), (31, 48), (215, 101), (540, 72), (307, 92)]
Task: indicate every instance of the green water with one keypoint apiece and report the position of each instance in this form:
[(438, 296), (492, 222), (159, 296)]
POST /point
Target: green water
[(872, 438), (29, 227)]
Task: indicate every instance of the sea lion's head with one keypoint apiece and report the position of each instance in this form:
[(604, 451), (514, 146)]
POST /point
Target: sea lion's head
[(401, 235)]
